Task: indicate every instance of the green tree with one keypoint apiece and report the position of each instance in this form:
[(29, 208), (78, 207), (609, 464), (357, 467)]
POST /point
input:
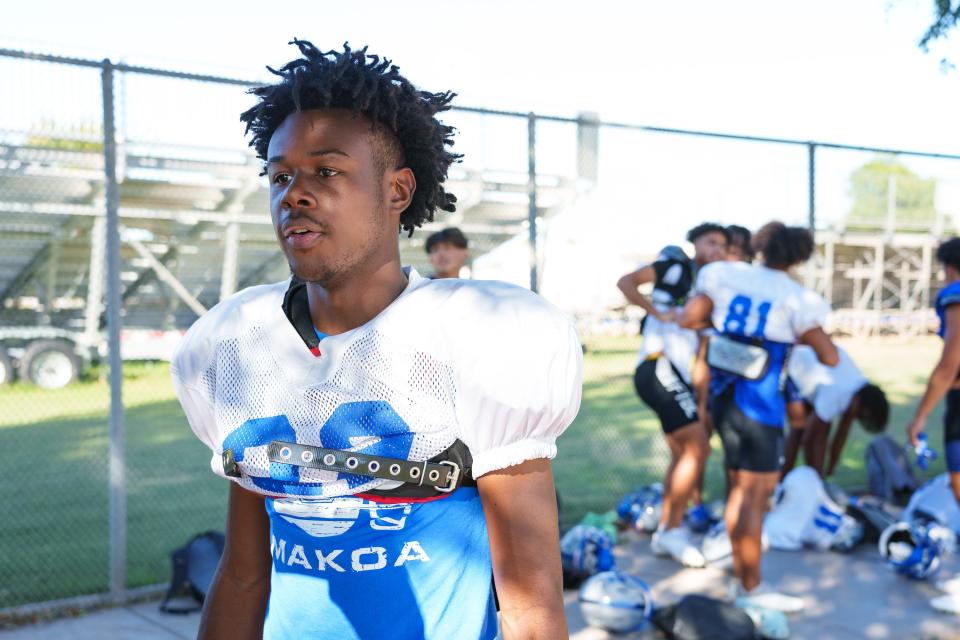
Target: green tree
[(946, 14), (885, 191)]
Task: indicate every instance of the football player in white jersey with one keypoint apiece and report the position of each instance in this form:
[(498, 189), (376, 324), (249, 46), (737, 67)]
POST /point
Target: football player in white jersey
[(759, 312), (663, 378), (388, 436), (816, 396)]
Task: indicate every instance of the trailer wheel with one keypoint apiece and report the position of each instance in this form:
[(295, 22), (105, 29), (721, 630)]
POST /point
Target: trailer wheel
[(50, 364), (6, 368)]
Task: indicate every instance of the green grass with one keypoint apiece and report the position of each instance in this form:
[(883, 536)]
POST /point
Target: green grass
[(615, 444), (54, 533), (54, 540)]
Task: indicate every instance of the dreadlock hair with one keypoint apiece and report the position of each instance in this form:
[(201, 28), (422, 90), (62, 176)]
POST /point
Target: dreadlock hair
[(948, 253), (783, 246), (740, 238), (371, 87), (704, 229)]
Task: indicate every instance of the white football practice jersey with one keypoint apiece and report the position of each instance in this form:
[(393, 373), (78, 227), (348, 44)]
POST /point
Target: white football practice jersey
[(756, 301), (488, 363), (828, 389), (804, 514), (755, 304)]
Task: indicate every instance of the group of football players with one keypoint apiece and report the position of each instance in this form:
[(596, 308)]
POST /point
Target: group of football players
[(388, 436), (733, 344)]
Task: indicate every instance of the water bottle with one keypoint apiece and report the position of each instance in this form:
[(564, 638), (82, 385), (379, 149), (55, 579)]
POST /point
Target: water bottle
[(924, 453)]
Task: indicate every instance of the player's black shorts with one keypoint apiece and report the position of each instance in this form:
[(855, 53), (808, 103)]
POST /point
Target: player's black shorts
[(663, 389), (748, 445), (951, 431)]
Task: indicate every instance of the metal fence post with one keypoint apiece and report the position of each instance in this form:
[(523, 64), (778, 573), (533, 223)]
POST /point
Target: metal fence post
[(118, 498), (532, 196), (812, 186), (231, 252)]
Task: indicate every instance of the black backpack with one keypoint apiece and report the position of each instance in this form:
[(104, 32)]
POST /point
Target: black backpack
[(194, 565), (697, 617), (872, 516), (888, 471)]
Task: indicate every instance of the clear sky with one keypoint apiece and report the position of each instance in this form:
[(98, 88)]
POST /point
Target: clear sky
[(846, 71)]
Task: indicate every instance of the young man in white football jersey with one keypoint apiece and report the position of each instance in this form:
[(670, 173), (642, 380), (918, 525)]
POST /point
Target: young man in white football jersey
[(663, 378), (816, 396), (388, 436), (739, 249), (759, 312)]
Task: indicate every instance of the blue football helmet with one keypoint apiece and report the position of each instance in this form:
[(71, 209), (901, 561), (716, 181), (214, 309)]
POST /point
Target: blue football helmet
[(586, 550), (699, 519), (642, 508)]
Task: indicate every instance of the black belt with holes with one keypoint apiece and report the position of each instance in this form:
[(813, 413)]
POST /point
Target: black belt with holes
[(442, 473)]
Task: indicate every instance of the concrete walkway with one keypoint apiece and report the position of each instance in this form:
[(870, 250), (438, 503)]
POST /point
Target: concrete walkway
[(848, 597)]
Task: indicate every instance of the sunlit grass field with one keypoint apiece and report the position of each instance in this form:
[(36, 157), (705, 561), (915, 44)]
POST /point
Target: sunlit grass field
[(616, 444), (54, 533)]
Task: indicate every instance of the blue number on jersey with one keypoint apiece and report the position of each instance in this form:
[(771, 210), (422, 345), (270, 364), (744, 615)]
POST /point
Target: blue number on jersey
[(347, 428), (739, 312), (761, 400)]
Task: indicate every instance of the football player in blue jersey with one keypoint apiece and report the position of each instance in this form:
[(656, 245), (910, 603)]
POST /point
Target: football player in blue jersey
[(388, 436), (943, 382), (758, 312), (663, 378)]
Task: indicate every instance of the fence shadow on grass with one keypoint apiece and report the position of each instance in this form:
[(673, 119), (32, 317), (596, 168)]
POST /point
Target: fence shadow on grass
[(55, 486)]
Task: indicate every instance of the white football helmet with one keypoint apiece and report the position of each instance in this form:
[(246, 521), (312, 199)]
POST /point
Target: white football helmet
[(616, 602), (910, 549)]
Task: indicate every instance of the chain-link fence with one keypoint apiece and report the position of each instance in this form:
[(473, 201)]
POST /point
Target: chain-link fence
[(130, 204)]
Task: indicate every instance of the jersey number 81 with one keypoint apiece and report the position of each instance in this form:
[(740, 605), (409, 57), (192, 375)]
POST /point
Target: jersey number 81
[(738, 315)]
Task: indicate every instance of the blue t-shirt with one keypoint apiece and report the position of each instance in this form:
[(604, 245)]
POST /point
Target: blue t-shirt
[(370, 567), (949, 295), (762, 400), (352, 568)]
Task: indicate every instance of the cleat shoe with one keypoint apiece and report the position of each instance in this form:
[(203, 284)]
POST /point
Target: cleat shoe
[(676, 543), (771, 624), (716, 547), (949, 603), (951, 585), (764, 597), (655, 547)]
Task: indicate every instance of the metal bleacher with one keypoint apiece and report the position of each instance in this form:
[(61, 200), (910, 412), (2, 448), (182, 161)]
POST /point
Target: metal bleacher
[(195, 226)]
